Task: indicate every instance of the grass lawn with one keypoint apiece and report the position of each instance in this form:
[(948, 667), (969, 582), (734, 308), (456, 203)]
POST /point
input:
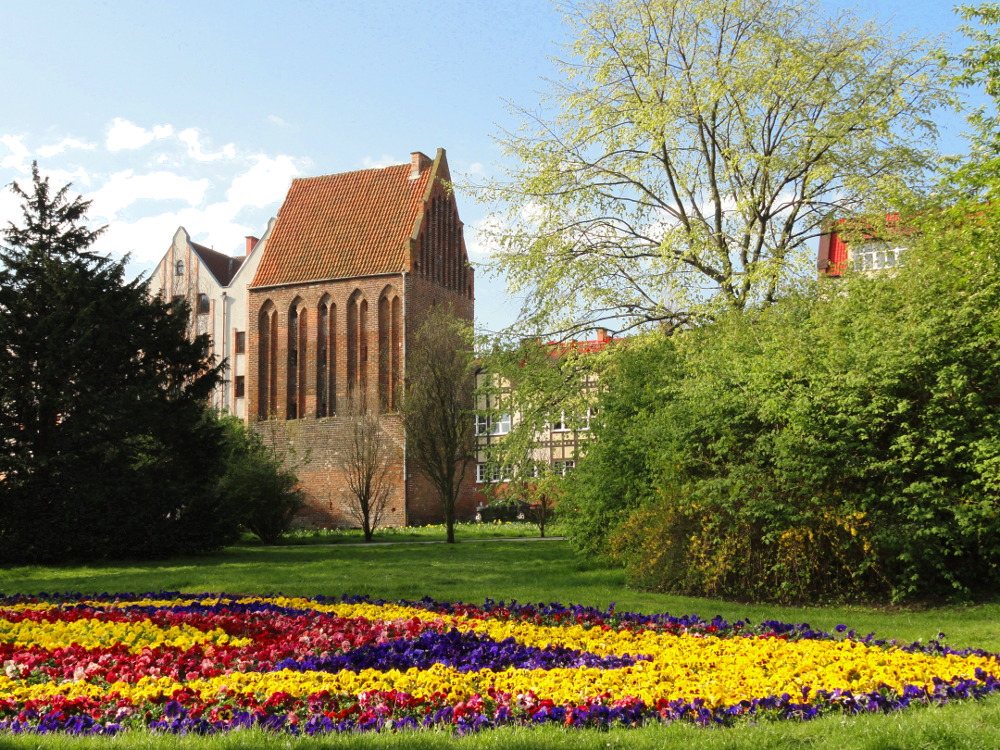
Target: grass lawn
[(489, 530), (532, 572)]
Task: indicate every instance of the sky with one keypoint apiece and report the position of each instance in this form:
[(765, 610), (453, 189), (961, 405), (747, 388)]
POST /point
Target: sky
[(199, 114)]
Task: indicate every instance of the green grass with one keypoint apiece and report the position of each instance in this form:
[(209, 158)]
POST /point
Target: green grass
[(546, 571), (433, 533)]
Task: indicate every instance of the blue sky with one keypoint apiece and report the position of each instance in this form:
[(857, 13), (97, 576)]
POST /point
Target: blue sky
[(200, 113)]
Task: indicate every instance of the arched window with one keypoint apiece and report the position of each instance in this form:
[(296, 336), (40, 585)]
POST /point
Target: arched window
[(384, 356), (296, 361), (326, 358), (322, 359), (396, 345), (389, 348), (267, 361), (332, 370), (363, 348), (352, 342)]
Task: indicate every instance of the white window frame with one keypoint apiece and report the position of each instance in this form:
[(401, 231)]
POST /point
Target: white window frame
[(501, 426), (560, 426), (482, 425), (563, 466)]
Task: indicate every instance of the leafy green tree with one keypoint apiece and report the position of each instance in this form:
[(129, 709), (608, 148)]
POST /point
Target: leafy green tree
[(693, 150), (107, 449), (437, 408), (256, 484)]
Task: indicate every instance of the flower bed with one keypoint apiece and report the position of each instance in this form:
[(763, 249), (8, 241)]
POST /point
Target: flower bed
[(211, 663)]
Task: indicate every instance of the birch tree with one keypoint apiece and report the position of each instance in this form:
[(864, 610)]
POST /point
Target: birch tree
[(690, 150)]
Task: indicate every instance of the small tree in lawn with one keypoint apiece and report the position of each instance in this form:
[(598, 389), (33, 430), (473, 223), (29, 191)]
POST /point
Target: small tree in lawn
[(367, 462), (437, 407)]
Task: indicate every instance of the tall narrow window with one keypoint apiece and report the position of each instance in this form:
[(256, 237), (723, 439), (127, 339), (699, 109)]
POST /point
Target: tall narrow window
[(241, 342), (332, 370), (352, 343), (384, 354), (293, 363), (363, 348), (322, 332), (397, 352), (267, 360)]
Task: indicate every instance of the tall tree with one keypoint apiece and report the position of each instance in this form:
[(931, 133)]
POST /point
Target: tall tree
[(693, 150), (437, 407), (107, 448), (367, 460)]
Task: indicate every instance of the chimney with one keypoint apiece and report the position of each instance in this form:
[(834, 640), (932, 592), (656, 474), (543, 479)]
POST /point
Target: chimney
[(251, 243), (602, 336), (417, 162)]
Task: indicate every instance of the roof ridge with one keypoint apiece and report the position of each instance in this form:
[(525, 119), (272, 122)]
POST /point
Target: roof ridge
[(352, 171)]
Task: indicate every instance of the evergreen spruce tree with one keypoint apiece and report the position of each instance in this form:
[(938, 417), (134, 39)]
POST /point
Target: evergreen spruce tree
[(106, 446)]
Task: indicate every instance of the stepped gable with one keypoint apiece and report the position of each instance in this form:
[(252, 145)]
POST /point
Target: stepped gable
[(222, 267), (346, 225)]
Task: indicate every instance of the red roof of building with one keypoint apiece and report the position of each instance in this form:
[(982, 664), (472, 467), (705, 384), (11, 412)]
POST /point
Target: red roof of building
[(587, 346), (222, 267), (346, 225)]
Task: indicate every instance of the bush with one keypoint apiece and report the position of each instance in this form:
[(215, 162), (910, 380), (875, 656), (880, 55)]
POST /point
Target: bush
[(257, 482), (842, 444)]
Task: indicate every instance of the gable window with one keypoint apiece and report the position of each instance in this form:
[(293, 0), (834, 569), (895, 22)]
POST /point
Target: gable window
[(179, 268), (875, 256)]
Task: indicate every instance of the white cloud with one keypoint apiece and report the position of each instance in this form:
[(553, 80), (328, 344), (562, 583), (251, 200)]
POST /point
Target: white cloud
[(264, 183), (191, 138), (279, 121), (124, 188), (17, 159), (10, 207), (64, 145), (79, 177), (124, 135), (480, 239), (370, 162), (148, 238)]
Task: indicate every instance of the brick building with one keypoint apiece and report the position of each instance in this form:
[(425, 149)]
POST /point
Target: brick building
[(558, 444), (323, 309)]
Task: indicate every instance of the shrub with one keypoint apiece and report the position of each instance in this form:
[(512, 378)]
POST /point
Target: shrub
[(257, 482), (841, 444)]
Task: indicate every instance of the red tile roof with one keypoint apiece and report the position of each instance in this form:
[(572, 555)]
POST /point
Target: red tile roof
[(223, 267), (346, 225)]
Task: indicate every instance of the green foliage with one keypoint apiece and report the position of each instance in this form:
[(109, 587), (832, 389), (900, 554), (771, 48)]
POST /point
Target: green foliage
[(695, 149), (616, 475), (107, 445), (256, 488), (841, 444)]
